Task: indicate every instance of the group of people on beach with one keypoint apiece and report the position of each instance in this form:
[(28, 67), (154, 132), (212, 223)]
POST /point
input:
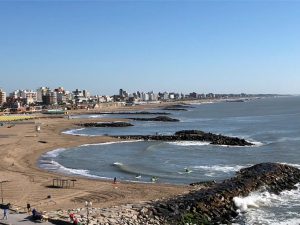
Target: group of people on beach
[(74, 219), (35, 214)]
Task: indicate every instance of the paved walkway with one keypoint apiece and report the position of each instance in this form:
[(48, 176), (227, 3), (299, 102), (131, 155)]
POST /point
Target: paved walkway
[(18, 219)]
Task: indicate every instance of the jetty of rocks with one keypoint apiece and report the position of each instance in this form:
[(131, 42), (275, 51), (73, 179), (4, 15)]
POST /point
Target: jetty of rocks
[(130, 113), (174, 109), (158, 118), (210, 203), (178, 107), (215, 205), (106, 124), (191, 135)]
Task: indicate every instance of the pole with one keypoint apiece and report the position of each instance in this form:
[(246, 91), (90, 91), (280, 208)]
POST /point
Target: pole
[(1, 182), (1, 193), (87, 214), (87, 222), (87, 204)]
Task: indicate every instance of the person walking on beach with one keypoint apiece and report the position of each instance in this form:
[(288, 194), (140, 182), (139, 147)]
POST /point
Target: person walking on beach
[(115, 180), (28, 208), (5, 213)]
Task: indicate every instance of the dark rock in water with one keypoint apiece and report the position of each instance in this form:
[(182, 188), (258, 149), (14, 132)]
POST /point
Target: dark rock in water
[(214, 204), (158, 118), (106, 124), (178, 107), (189, 132), (130, 113), (192, 135), (174, 109)]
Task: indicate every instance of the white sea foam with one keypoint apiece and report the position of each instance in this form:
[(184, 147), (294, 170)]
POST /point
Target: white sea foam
[(55, 166), (117, 163), (95, 116), (189, 143), (266, 208), (54, 153), (256, 143), (254, 200), (287, 222), (110, 143), (203, 103), (73, 131), (81, 172), (290, 164), (203, 143), (212, 170)]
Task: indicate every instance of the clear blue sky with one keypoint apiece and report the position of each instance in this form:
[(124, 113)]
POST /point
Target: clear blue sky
[(185, 46)]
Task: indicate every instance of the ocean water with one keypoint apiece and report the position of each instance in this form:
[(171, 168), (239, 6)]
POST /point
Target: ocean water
[(273, 124)]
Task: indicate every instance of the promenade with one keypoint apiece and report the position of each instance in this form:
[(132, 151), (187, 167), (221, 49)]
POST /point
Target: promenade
[(20, 219)]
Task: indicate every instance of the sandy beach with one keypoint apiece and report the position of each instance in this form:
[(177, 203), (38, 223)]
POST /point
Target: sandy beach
[(20, 148)]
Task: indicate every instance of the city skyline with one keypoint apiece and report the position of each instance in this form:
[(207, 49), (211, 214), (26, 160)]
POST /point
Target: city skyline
[(219, 47)]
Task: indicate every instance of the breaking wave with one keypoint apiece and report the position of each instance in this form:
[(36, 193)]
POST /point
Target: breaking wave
[(189, 143), (262, 207), (54, 153), (54, 166), (221, 168), (110, 143)]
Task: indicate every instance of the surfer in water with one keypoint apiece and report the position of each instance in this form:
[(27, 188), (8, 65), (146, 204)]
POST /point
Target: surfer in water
[(187, 170), (154, 179)]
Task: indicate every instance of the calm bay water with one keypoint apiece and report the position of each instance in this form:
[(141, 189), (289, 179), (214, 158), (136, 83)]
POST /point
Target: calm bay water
[(273, 124)]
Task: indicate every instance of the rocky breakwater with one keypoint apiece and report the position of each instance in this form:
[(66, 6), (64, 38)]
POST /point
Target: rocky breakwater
[(105, 124), (191, 135), (215, 205), (206, 203), (178, 107), (158, 118), (130, 113)]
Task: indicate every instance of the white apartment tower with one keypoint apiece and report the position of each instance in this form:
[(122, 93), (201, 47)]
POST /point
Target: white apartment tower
[(2, 96)]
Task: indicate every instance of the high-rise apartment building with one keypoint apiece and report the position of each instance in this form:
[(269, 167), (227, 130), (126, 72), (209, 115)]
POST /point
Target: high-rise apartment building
[(50, 98), (42, 91), (2, 96)]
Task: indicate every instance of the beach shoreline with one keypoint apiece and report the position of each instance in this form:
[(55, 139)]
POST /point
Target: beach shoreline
[(22, 146)]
